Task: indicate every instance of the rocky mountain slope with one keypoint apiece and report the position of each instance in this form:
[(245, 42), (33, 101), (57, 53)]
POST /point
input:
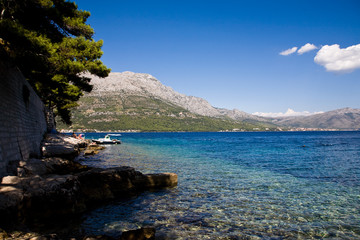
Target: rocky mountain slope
[(140, 84), (139, 101), (128, 100), (344, 119)]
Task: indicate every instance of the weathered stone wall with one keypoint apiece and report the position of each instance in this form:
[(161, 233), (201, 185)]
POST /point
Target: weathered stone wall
[(22, 118)]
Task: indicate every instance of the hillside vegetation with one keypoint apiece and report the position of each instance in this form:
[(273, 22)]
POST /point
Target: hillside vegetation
[(119, 112), (342, 119), (138, 101)]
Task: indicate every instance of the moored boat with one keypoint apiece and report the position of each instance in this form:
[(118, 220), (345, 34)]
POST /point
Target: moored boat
[(107, 139)]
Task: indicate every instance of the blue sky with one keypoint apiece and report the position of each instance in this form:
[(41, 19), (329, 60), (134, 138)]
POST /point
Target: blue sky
[(228, 52)]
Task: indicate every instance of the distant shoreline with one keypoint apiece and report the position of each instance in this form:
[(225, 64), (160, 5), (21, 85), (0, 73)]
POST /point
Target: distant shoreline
[(138, 131)]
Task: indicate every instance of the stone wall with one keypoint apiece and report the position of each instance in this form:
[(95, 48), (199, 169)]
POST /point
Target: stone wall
[(22, 119)]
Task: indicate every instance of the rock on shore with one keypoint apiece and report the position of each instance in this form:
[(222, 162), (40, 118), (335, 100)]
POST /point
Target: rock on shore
[(60, 145), (56, 188), (36, 199)]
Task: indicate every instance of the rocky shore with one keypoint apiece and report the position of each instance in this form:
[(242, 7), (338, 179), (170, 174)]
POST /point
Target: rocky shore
[(56, 188)]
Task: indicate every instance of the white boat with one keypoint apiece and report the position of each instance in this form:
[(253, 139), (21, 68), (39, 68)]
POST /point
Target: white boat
[(107, 139)]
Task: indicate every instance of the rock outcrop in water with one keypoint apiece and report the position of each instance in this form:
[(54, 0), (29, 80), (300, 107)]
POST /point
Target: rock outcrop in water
[(35, 199), (53, 189)]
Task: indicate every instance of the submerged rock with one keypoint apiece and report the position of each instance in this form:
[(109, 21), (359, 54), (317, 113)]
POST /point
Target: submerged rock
[(161, 180), (139, 234), (100, 237), (3, 234), (93, 149), (88, 152), (94, 146)]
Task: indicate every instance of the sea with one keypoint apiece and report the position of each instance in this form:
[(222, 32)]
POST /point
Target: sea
[(237, 185)]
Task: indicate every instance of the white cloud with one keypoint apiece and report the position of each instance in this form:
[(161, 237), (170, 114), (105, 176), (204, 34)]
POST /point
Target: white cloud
[(340, 60), (306, 48), (288, 51), (289, 113)]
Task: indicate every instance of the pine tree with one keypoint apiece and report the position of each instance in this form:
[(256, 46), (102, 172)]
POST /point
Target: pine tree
[(52, 45)]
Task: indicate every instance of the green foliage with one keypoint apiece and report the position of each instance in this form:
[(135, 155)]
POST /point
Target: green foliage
[(52, 45), (118, 112), (155, 123)]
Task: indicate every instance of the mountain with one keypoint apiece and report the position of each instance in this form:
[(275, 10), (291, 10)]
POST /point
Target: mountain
[(140, 84), (138, 101), (128, 100), (343, 119)]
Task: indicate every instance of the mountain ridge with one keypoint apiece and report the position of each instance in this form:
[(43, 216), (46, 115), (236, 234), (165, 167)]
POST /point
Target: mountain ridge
[(146, 84), (344, 119), (138, 101), (130, 100)]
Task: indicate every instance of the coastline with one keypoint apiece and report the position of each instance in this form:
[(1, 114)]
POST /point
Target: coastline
[(55, 188), (68, 131)]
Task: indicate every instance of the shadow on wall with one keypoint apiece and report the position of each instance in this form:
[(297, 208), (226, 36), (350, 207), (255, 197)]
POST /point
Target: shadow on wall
[(22, 119)]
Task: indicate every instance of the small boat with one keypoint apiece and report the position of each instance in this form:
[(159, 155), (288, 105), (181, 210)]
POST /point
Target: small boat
[(107, 139)]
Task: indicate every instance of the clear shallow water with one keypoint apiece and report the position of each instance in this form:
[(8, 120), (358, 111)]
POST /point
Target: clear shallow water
[(238, 185)]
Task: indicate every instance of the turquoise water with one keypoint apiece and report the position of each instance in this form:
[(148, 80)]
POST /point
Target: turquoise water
[(281, 185)]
